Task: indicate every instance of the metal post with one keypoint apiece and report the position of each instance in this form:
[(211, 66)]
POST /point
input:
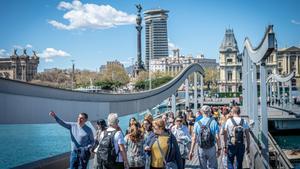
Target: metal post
[(245, 90), (187, 104), (290, 94), (255, 102), (73, 73), (173, 104), (250, 86), (195, 93), (283, 95), (270, 92), (278, 94), (264, 114), (273, 92), (201, 88), (150, 81)]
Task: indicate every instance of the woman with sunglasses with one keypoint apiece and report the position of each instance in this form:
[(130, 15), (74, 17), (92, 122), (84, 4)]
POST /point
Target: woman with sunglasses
[(183, 138)]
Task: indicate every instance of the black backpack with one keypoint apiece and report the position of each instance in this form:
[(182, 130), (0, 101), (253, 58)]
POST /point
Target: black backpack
[(106, 150), (206, 139), (237, 135)]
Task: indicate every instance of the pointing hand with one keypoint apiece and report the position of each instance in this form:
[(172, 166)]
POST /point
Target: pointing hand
[(52, 113)]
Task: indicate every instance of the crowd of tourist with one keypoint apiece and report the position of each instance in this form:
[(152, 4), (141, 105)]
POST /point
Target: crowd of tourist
[(164, 142)]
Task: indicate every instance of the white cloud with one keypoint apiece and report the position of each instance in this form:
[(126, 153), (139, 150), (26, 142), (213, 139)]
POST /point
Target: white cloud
[(172, 46), (93, 16), (50, 53), (29, 46), (3, 53), (295, 22), (23, 47), (17, 47)]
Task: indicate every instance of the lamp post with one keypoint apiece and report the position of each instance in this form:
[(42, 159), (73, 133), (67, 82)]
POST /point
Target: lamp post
[(73, 73)]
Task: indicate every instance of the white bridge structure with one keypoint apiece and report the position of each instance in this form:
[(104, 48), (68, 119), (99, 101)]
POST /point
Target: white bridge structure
[(27, 103)]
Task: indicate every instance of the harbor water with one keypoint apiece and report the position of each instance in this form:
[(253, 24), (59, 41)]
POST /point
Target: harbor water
[(23, 143)]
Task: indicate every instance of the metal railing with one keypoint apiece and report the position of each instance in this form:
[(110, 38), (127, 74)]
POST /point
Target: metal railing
[(278, 159)]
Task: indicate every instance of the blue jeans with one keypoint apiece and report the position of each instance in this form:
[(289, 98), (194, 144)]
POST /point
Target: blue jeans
[(79, 159), (237, 151), (208, 158)]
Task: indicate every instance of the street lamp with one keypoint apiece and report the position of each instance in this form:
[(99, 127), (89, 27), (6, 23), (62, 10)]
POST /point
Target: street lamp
[(73, 73)]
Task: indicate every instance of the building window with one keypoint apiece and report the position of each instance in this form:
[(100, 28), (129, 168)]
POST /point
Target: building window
[(229, 76), (229, 89), (279, 64), (229, 60), (241, 76)]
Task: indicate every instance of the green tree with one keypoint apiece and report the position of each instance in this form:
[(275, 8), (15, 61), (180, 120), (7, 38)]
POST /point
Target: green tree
[(211, 79), (157, 79), (113, 77)]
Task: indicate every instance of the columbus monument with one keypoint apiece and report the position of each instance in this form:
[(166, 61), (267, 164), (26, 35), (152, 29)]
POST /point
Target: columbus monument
[(139, 66)]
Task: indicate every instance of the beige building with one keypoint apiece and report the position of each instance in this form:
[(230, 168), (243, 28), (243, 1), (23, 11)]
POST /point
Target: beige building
[(176, 63), (230, 64), (21, 67), (288, 61)]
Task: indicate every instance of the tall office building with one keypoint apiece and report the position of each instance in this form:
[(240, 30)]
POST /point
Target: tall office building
[(156, 35)]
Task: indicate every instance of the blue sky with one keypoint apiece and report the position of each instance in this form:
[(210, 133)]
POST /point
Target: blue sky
[(101, 31)]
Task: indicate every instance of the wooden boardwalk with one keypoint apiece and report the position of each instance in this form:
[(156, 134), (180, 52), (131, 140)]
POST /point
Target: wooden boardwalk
[(194, 163)]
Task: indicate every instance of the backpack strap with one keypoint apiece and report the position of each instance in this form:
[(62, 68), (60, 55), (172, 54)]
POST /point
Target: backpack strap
[(233, 122), (208, 123), (199, 122), (161, 152), (242, 122)]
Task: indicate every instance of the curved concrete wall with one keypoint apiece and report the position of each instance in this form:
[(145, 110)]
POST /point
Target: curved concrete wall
[(27, 103)]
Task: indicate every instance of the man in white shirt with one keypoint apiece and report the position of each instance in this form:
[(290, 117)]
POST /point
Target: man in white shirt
[(234, 131), (113, 130)]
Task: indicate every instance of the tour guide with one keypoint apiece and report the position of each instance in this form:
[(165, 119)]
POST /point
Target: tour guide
[(82, 140)]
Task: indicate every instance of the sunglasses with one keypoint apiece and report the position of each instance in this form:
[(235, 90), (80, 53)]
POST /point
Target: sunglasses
[(178, 120)]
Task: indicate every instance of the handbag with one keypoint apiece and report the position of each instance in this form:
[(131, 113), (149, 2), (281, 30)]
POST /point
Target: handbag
[(168, 165)]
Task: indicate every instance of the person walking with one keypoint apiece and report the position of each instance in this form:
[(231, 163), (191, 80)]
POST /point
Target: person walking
[(134, 142), (234, 131), (82, 140), (206, 134), (101, 127), (163, 147), (183, 138), (111, 153)]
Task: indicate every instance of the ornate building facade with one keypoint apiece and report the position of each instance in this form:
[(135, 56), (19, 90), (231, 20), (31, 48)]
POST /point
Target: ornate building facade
[(289, 61), (230, 64), (23, 67)]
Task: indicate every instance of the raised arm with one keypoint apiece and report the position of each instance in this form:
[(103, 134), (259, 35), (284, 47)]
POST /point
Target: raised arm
[(59, 121)]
